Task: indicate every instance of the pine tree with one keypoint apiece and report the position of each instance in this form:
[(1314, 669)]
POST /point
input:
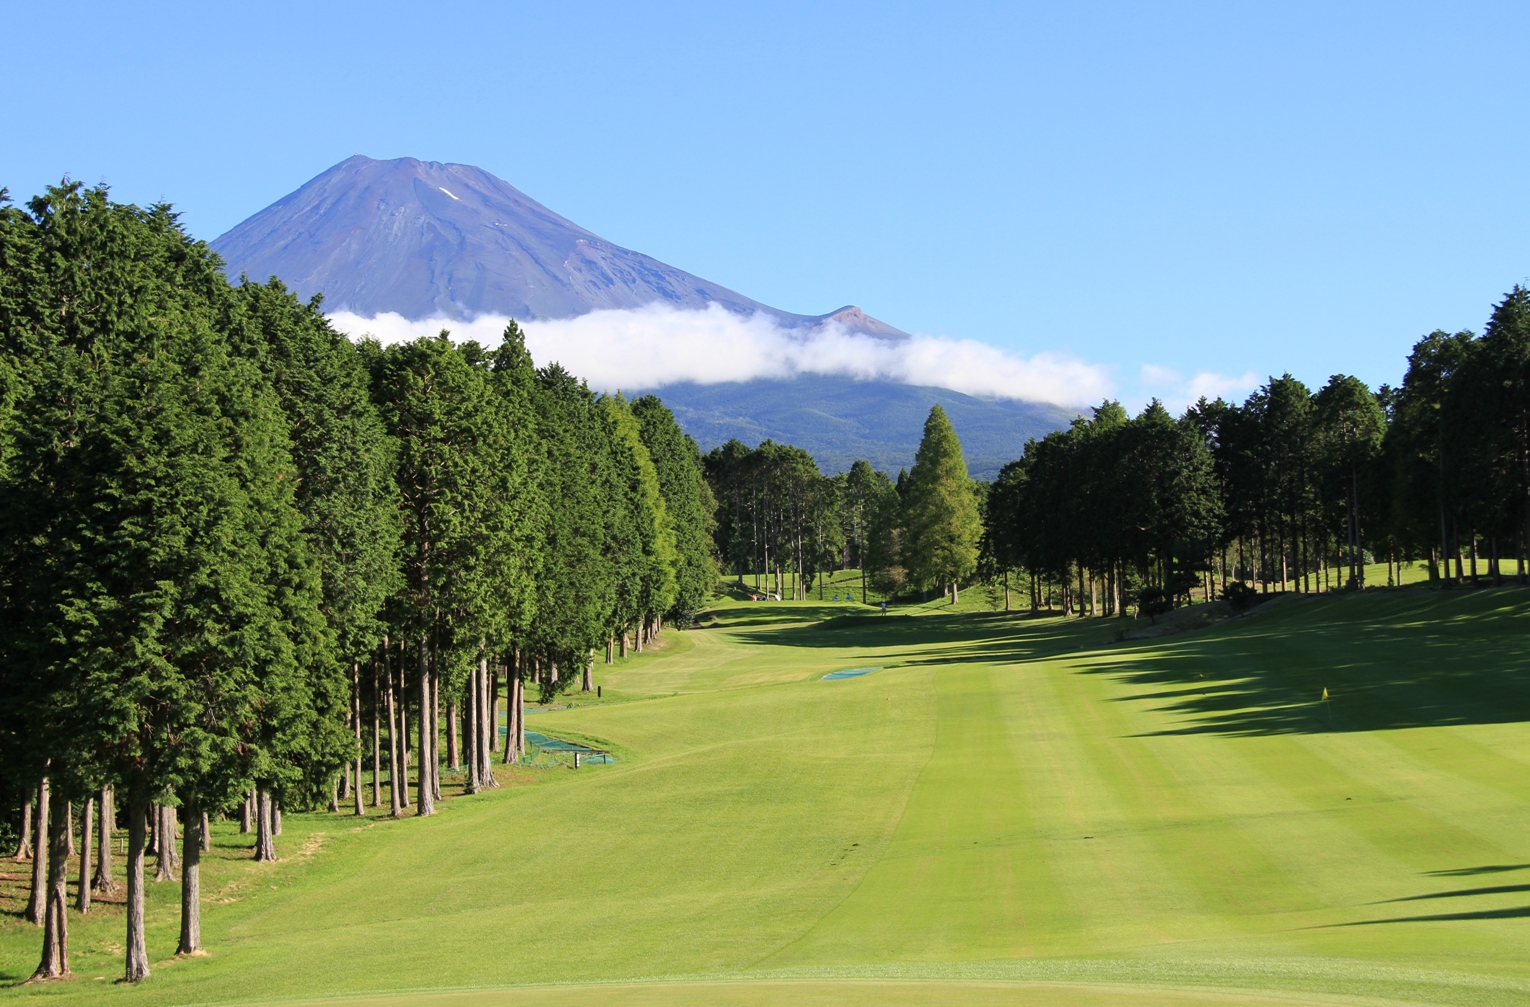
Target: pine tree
[(170, 600), (942, 515), (689, 501)]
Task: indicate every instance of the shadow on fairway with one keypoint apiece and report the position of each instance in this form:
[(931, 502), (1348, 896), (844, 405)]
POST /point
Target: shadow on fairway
[(1458, 893), (1518, 912), (1388, 661), (1462, 872), (907, 640)]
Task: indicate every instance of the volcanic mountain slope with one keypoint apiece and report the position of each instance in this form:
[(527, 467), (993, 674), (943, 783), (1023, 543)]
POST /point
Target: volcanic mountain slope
[(431, 240)]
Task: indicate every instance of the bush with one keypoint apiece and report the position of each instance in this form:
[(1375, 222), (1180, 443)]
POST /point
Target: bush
[(1240, 596), (1155, 602)]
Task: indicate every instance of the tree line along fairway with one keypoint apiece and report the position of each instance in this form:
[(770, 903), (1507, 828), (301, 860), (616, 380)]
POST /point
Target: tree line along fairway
[(1011, 810)]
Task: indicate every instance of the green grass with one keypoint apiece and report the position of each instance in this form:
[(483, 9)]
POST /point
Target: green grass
[(1011, 810)]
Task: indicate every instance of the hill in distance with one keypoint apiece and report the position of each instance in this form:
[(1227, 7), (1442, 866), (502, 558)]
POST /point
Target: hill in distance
[(426, 240), (838, 420)]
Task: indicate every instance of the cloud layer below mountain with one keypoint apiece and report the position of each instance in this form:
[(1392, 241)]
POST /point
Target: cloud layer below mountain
[(658, 345)]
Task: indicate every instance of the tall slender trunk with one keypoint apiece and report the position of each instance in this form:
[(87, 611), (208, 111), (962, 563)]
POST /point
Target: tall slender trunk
[(103, 882), (55, 955), (377, 733), (588, 685), (24, 844), (404, 744), (435, 728), (488, 724), (191, 880), (512, 682), (164, 844), (247, 812), (137, 949), (518, 732), (472, 715), (453, 749), (37, 905), (87, 830), (493, 711), (394, 786), (356, 720), (427, 802)]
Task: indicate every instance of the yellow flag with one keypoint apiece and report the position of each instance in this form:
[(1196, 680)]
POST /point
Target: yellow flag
[(1325, 695)]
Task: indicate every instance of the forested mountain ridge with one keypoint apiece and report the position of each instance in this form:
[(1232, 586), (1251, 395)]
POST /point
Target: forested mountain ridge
[(840, 420)]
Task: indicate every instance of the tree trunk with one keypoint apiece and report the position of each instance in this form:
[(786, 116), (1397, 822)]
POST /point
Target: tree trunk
[(356, 720), (87, 830), (376, 734), (206, 835), (247, 812), (588, 685), (37, 905), (55, 956), (435, 730), (164, 844), (276, 817), (265, 837), (488, 725), (69, 827), (493, 713), (24, 844), (104, 883), (394, 787), (137, 949), (472, 734), (512, 704), (403, 733), (453, 748), (427, 803), (191, 881)]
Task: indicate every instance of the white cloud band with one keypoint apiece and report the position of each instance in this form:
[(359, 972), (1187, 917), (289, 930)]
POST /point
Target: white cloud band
[(657, 345)]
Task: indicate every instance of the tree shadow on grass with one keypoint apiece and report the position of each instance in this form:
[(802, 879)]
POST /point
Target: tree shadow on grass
[(1517, 912), (969, 637), (1459, 893), (1387, 662), (1462, 872)]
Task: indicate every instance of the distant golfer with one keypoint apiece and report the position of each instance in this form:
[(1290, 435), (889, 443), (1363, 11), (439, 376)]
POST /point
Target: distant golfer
[(849, 595), (884, 608)]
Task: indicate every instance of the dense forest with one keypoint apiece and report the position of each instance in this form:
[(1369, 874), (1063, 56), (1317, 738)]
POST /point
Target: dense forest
[(1293, 490), (254, 565), (246, 555)]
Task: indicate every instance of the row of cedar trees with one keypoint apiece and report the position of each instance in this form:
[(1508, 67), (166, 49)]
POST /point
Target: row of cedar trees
[(237, 540), (783, 524), (1292, 490)]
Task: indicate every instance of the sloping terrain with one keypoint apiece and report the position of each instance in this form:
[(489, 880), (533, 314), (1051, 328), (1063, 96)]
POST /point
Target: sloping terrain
[(1009, 810), (431, 240), (838, 420)]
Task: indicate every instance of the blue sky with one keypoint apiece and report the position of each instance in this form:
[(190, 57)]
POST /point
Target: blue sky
[(1219, 187)]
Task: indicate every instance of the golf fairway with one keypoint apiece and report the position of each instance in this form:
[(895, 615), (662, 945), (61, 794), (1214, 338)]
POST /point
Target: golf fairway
[(1008, 810)]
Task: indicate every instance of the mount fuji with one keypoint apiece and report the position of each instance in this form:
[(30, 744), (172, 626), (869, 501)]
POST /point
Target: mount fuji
[(428, 240)]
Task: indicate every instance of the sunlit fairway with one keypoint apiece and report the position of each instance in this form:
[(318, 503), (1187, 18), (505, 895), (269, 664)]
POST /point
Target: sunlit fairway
[(1009, 810)]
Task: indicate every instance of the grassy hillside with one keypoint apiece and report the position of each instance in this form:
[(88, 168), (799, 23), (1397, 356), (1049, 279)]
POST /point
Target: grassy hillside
[(1004, 801)]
